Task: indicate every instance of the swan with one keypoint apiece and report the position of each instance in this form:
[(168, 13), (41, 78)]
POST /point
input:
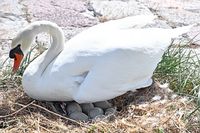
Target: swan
[(98, 64)]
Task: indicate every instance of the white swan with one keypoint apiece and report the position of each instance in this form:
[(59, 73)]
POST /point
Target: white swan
[(102, 62)]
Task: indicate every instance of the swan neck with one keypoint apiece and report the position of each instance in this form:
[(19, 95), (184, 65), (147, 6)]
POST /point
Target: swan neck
[(55, 32), (56, 46)]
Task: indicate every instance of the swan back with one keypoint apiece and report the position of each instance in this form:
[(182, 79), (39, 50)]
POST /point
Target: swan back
[(149, 39)]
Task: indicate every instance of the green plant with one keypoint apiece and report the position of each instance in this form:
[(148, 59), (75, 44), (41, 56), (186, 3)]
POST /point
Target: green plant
[(180, 67)]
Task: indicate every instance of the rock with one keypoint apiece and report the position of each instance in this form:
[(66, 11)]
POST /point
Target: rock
[(103, 104), (79, 116), (63, 12), (177, 13), (69, 15), (11, 18), (110, 111), (73, 107), (118, 9), (86, 107), (95, 112)]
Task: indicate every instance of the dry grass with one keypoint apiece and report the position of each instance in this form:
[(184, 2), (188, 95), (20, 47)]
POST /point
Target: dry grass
[(137, 112)]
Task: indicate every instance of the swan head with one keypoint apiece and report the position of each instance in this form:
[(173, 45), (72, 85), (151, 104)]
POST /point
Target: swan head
[(20, 47)]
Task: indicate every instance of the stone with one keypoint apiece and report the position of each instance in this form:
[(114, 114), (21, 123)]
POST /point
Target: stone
[(177, 13), (95, 112), (118, 9), (11, 18), (79, 116), (86, 107), (73, 107), (103, 104), (63, 12)]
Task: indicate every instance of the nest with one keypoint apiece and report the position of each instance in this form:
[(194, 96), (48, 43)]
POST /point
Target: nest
[(152, 109)]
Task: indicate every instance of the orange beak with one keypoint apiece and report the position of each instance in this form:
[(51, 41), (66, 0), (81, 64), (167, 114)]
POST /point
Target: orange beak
[(17, 61)]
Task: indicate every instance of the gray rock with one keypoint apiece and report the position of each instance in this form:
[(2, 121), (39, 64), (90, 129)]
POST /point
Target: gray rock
[(118, 9), (103, 104), (73, 107), (63, 12), (86, 107), (79, 116), (95, 112), (110, 111), (11, 18), (177, 13)]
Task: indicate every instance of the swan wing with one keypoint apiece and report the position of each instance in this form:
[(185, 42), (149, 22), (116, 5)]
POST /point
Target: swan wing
[(127, 65)]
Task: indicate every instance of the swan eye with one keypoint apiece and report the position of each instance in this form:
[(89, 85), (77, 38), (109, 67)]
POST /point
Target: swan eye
[(15, 50)]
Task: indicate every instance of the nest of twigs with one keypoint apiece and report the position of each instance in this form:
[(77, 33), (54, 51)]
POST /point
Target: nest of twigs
[(151, 109)]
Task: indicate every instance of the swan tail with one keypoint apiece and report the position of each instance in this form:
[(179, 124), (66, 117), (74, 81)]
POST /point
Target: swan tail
[(132, 21), (181, 30)]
